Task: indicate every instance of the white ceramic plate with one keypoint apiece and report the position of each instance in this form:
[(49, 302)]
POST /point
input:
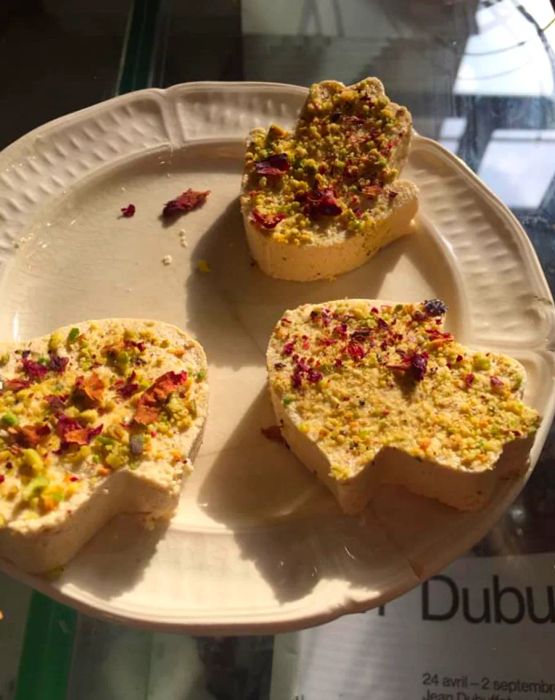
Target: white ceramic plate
[(257, 544)]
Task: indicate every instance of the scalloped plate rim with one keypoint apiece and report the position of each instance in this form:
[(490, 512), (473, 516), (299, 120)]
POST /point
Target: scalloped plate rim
[(316, 610)]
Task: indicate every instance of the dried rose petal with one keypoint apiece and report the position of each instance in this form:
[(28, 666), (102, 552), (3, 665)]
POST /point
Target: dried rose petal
[(275, 165), (57, 363), (361, 334), (146, 414), (186, 202), (16, 384), (128, 211), (81, 436), (419, 364), (34, 370), (469, 379), (139, 345), (56, 402), (320, 203), (297, 378), (273, 432), (31, 435), (314, 376), (66, 424), (148, 406), (301, 369), (341, 330), (288, 348), (438, 338), (267, 221), (128, 389), (91, 387), (355, 351), (496, 384), (72, 432), (166, 384)]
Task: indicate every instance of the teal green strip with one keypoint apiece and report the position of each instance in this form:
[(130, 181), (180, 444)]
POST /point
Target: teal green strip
[(136, 70), (47, 650)]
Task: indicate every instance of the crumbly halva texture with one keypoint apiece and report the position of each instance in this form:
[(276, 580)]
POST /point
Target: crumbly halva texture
[(330, 187), (353, 379), (95, 419)]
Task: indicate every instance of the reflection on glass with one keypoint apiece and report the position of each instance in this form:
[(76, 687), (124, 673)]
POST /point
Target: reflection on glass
[(519, 164), (451, 132), (508, 56)]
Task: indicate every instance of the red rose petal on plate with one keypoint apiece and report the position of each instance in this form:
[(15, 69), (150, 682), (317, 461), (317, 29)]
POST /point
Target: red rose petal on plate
[(186, 202), (128, 211), (273, 433)]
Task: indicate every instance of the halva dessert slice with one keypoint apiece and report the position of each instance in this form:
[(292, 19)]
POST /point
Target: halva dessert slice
[(96, 419), (368, 391), (323, 199)]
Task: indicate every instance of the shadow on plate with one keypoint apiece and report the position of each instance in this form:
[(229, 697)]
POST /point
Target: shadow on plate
[(429, 534), (233, 308), (290, 526), (286, 522), (300, 536), (115, 559)]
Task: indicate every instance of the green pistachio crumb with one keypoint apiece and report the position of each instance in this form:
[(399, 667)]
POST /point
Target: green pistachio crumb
[(35, 487), (9, 420), (72, 336)]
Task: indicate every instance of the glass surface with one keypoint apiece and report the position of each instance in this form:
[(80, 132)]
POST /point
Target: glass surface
[(111, 661), (477, 76), (57, 56)]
